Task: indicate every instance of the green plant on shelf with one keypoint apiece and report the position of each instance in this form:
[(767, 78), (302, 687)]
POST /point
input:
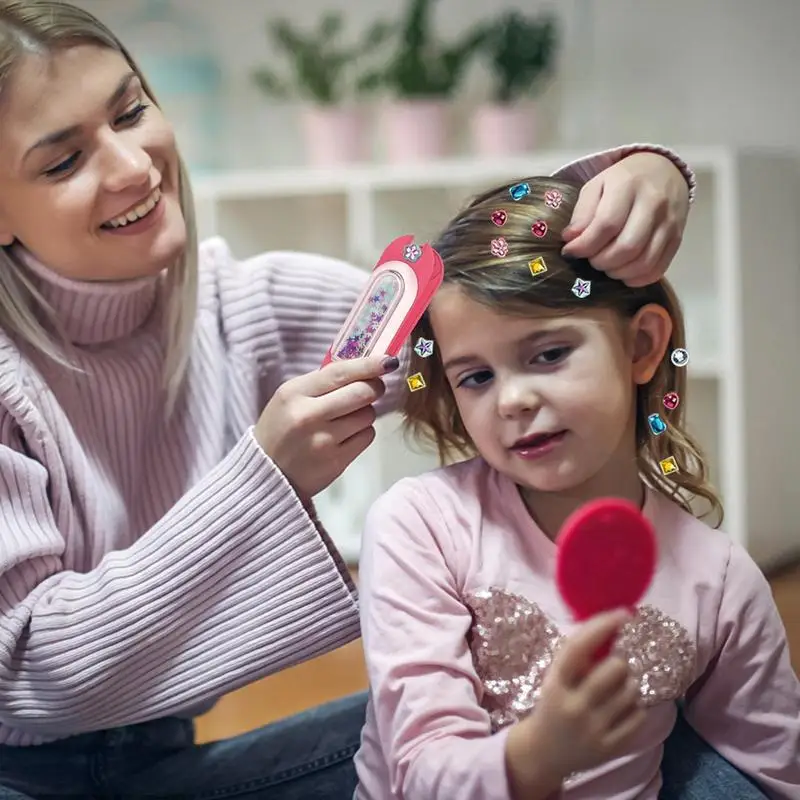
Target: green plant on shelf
[(521, 53), (323, 68), (422, 67)]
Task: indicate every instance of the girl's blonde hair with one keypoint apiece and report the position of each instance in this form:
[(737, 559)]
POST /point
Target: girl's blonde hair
[(41, 27), (507, 284)]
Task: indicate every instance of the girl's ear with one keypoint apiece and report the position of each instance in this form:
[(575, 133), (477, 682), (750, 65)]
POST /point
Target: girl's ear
[(650, 329)]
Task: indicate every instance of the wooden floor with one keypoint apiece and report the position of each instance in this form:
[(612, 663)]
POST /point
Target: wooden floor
[(342, 672)]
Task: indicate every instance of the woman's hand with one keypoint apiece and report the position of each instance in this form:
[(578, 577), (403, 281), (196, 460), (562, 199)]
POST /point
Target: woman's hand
[(629, 219), (315, 425), (587, 713)]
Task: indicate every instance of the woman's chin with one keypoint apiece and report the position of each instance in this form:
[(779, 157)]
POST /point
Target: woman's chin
[(168, 248)]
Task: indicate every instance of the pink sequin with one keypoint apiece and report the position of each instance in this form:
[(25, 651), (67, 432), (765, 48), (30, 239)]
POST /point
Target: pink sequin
[(513, 643)]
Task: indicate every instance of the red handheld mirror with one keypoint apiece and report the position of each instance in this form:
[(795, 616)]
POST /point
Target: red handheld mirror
[(606, 558)]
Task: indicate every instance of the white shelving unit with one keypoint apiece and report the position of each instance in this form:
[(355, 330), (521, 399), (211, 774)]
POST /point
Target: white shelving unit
[(738, 275)]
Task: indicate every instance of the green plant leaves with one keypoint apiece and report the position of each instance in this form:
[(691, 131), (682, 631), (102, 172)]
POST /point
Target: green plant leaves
[(520, 51), (320, 67), (421, 67)]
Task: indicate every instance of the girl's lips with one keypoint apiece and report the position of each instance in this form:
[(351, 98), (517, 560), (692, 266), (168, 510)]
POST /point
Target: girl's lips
[(539, 445)]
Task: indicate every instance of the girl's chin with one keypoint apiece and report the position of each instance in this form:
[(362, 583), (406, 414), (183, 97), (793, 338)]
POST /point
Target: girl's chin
[(551, 481)]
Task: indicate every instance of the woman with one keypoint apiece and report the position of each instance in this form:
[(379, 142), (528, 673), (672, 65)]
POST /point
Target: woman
[(163, 430)]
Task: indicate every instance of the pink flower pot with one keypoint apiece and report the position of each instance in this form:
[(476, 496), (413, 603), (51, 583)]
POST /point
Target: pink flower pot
[(503, 130), (333, 135), (415, 130)]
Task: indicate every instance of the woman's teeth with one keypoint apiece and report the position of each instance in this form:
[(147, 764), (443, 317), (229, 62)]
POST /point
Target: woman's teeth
[(142, 210)]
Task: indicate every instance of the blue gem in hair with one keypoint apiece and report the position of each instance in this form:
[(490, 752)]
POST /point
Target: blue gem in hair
[(657, 425), (519, 190)]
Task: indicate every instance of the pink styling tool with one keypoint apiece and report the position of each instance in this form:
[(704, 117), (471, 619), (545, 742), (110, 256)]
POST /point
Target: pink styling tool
[(606, 559), (401, 287)]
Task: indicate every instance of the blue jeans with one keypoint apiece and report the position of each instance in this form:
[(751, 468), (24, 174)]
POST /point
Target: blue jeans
[(305, 757)]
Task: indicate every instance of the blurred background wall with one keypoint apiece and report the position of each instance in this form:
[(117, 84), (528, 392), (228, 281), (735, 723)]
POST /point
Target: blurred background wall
[(684, 72)]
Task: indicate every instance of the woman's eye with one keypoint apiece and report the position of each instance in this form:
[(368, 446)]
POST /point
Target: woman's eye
[(134, 115), (129, 118), (477, 378), (64, 166)]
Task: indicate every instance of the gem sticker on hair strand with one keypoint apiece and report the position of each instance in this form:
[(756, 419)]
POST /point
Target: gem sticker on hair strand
[(416, 382), (671, 401), (553, 198), (424, 347), (539, 229), (499, 247), (537, 266), (519, 190), (500, 217), (668, 465), (680, 357), (581, 288), (657, 425)]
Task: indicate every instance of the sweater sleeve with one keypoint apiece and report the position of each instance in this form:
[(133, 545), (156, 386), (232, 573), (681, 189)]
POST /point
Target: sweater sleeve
[(586, 168), (232, 584), (436, 738), (300, 301), (747, 705)]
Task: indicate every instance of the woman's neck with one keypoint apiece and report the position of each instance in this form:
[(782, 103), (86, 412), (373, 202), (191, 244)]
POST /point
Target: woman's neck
[(92, 313)]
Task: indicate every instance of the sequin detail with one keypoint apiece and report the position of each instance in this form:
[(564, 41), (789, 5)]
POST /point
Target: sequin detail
[(382, 297), (513, 643)]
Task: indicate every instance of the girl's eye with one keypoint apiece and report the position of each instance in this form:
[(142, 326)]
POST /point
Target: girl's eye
[(477, 378), (552, 356)]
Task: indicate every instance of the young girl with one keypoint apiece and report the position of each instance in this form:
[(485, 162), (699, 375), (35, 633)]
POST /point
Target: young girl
[(163, 428), (481, 684)]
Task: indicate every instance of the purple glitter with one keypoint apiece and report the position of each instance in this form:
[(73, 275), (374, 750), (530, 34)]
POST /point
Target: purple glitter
[(371, 317)]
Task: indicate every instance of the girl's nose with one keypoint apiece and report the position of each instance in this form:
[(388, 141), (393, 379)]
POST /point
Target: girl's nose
[(515, 397)]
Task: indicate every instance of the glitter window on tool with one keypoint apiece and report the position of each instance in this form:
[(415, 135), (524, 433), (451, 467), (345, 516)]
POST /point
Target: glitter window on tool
[(381, 299)]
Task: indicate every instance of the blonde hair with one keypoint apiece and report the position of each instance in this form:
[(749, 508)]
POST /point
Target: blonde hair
[(506, 284), (44, 26)]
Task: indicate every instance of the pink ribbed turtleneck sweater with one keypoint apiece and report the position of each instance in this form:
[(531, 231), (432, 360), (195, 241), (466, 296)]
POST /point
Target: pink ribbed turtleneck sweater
[(150, 567)]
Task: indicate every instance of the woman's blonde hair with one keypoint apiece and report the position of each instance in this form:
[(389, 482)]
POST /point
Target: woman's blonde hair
[(508, 284), (40, 27)]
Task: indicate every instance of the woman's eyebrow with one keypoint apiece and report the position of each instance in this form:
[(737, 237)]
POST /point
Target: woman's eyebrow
[(63, 135)]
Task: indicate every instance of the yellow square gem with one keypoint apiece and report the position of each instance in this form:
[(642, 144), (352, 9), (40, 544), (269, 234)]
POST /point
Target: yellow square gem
[(415, 382), (537, 266), (668, 465)]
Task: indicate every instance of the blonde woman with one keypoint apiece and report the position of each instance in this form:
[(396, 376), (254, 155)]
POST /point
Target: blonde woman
[(164, 428)]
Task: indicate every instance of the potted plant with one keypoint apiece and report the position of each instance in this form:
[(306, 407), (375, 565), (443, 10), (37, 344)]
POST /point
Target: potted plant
[(521, 52), (323, 75), (420, 77)]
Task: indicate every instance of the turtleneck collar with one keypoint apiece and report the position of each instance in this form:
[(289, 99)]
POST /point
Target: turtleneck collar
[(93, 313)]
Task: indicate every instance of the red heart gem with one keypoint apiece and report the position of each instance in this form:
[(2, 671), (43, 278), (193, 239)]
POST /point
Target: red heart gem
[(671, 401), (539, 228), (499, 217)]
